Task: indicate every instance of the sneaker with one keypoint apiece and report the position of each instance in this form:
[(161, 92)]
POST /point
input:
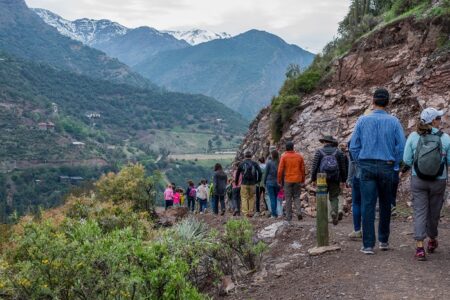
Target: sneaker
[(257, 214), (201, 213), (340, 216), (394, 211), (367, 250), (432, 245), (384, 246), (334, 218), (420, 254), (355, 235)]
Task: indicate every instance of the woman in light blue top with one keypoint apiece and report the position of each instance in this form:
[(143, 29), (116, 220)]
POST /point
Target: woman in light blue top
[(427, 191)]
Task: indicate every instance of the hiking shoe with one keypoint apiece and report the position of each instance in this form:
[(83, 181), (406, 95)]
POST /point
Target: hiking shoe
[(334, 218), (394, 211), (235, 214), (222, 213), (367, 250), (384, 246), (432, 245), (340, 216), (420, 254), (257, 214), (299, 217), (355, 235)]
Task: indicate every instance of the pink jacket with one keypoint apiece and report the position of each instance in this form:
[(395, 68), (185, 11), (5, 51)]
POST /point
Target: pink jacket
[(168, 194), (176, 198)]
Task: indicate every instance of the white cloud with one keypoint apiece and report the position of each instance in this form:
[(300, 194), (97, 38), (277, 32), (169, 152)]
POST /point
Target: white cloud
[(310, 24)]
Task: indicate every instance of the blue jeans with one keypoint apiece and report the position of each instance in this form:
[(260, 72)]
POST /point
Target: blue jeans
[(202, 204), (356, 203), (376, 179), (272, 190)]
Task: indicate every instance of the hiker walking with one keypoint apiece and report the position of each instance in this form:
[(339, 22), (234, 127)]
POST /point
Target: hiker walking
[(427, 151), (168, 196), (261, 189), (219, 190), (191, 195), (202, 195), (251, 175), (291, 173), (331, 161), (377, 145), (354, 182), (236, 195), (270, 181)]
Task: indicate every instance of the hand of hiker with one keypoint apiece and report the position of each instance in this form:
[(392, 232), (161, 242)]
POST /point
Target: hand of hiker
[(314, 184)]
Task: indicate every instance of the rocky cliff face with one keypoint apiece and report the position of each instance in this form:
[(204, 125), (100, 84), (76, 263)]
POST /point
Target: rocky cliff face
[(405, 57)]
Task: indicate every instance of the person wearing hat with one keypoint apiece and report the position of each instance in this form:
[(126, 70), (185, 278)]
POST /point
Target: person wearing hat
[(377, 146), (291, 175), (427, 191), (331, 161), (251, 175)]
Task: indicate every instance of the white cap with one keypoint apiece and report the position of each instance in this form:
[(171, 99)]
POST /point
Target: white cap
[(429, 114)]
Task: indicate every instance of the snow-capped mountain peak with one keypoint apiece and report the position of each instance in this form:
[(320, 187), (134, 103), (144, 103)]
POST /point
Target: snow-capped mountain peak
[(198, 36), (94, 32), (87, 31)]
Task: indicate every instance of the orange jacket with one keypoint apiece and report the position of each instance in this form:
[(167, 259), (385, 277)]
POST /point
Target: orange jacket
[(292, 166)]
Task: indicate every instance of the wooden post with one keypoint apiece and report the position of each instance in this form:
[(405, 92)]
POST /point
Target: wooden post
[(322, 210)]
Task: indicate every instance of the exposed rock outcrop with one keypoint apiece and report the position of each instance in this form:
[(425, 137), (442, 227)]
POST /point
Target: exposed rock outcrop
[(405, 57)]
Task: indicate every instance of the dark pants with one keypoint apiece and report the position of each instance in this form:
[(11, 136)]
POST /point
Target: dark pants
[(237, 200), (272, 190), (356, 203), (376, 179), (292, 194), (260, 190), (333, 194), (395, 183), (215, 203), (191, 203), (169, 203)]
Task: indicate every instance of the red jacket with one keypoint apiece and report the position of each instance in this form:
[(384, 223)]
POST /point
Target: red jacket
[(292, 166)]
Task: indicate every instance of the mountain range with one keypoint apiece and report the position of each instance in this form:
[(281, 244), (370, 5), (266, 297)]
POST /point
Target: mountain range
[(243, 71)]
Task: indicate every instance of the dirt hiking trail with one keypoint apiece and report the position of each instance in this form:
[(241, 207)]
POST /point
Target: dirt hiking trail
[(288, 272)]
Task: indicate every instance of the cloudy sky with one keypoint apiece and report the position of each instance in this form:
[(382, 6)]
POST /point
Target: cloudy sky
[(307, 23)]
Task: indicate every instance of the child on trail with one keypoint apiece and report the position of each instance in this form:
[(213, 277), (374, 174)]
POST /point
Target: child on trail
[(236, 195), (280, 199), (168, 196), (176, 198), (202, 195), (427, 151), (229, 194), (353, 181), (191, 195), (182, 197)]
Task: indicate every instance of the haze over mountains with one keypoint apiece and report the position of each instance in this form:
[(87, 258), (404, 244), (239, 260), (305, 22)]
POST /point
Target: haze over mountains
[(243, 72)]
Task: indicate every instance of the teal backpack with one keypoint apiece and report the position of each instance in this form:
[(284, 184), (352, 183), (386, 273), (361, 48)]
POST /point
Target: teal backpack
[(428, 162)]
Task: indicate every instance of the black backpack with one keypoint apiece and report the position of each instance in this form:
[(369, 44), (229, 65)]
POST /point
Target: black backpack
[(249, 171), (428, 162)]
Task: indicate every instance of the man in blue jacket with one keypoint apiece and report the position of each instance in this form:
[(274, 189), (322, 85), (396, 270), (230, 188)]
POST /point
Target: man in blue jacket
[(377, 146)]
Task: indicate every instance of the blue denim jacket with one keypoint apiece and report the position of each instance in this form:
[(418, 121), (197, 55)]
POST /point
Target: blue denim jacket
[(378, 136)]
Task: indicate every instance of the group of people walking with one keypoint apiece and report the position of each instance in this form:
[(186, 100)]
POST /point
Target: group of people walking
[(379, 155)]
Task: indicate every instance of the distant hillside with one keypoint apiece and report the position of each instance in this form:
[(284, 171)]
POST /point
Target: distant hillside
[(27, 91), (24, 34), (139, 44), (243, 72)]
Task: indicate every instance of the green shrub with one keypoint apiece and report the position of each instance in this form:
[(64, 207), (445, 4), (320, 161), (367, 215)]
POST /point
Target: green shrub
[(239, 236), (283, 107), (78, 261)]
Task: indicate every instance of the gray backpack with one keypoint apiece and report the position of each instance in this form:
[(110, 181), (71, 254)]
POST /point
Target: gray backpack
[(428, 162)]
